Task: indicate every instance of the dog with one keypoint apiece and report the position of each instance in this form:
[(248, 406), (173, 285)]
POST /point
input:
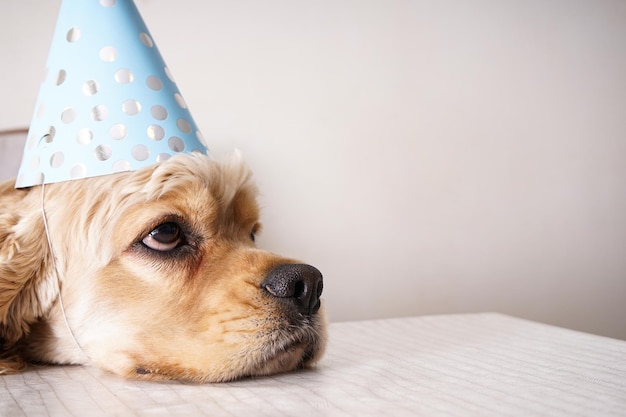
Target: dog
[(153, 275)]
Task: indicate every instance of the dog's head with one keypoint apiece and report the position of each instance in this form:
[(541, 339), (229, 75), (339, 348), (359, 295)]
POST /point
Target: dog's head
[(160, 277)]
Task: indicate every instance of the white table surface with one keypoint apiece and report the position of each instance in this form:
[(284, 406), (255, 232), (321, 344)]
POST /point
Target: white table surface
[(450, 365)]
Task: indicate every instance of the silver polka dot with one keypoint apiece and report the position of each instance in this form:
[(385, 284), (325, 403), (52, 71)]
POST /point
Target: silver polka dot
[(108, 54), (158, 112), (48, 137), (131, 107), (31, 142), (183, 125), (99, 113), (155, 132), (34, 163), (103, 152), (41, 110), (169, 74), (200, 137), (140, 152), (73, 35), (78, 171), (61, 74), (90, 87), (84, 136), (56, 160), (124, 76), (162, 157), (154, 83), (180, 100), (176, 144), (146, 40), (121, 166), (108, 3), (38, 178), (118, 131), (68, 115)]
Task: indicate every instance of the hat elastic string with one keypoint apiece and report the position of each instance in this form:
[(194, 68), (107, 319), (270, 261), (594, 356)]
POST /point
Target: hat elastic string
[(54, 267)]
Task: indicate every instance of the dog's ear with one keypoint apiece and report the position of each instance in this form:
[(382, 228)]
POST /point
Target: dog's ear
[(27, 289)]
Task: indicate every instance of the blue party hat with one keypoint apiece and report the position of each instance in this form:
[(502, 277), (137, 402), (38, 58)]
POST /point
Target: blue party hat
[(108, 103)]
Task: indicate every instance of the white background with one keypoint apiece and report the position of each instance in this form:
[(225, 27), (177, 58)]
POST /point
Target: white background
[(428, 156)]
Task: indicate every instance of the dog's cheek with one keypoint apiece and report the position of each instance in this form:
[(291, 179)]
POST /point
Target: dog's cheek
[(196, 329)]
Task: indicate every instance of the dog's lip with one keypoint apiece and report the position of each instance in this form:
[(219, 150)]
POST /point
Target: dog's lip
[(285, 359), (289, 350)]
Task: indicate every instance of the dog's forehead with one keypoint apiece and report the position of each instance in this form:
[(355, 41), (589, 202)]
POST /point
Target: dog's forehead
[(221, 180), (198, 190), (219, 188)]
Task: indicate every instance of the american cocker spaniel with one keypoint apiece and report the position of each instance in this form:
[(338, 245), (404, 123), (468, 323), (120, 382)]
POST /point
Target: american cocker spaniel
[(153, 274)]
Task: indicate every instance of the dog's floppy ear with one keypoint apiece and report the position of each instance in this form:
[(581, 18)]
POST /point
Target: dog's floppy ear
[(27, 289)]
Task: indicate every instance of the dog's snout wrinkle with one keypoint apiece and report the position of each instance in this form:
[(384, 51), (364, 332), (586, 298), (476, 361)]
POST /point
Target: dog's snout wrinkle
[(299, 284)]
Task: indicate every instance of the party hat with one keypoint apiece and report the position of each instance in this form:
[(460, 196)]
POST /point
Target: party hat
[(108, 102)]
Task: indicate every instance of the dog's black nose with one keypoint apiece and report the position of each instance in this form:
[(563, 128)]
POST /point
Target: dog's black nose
[(299, 284)]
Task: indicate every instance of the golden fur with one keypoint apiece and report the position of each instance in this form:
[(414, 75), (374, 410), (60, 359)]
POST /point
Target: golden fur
[(196, 314)]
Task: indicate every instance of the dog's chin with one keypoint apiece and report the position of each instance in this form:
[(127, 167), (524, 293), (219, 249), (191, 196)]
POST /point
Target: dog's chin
[(290, 355), (284, 360), (290, 348), (269, 362), (280, 351)]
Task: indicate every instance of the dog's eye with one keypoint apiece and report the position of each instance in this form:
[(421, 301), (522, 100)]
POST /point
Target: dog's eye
[(256, 229), (164, 237)]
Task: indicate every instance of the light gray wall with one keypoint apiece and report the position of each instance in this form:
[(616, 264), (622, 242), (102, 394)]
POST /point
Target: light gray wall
[(11, 145), (428, 156)]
